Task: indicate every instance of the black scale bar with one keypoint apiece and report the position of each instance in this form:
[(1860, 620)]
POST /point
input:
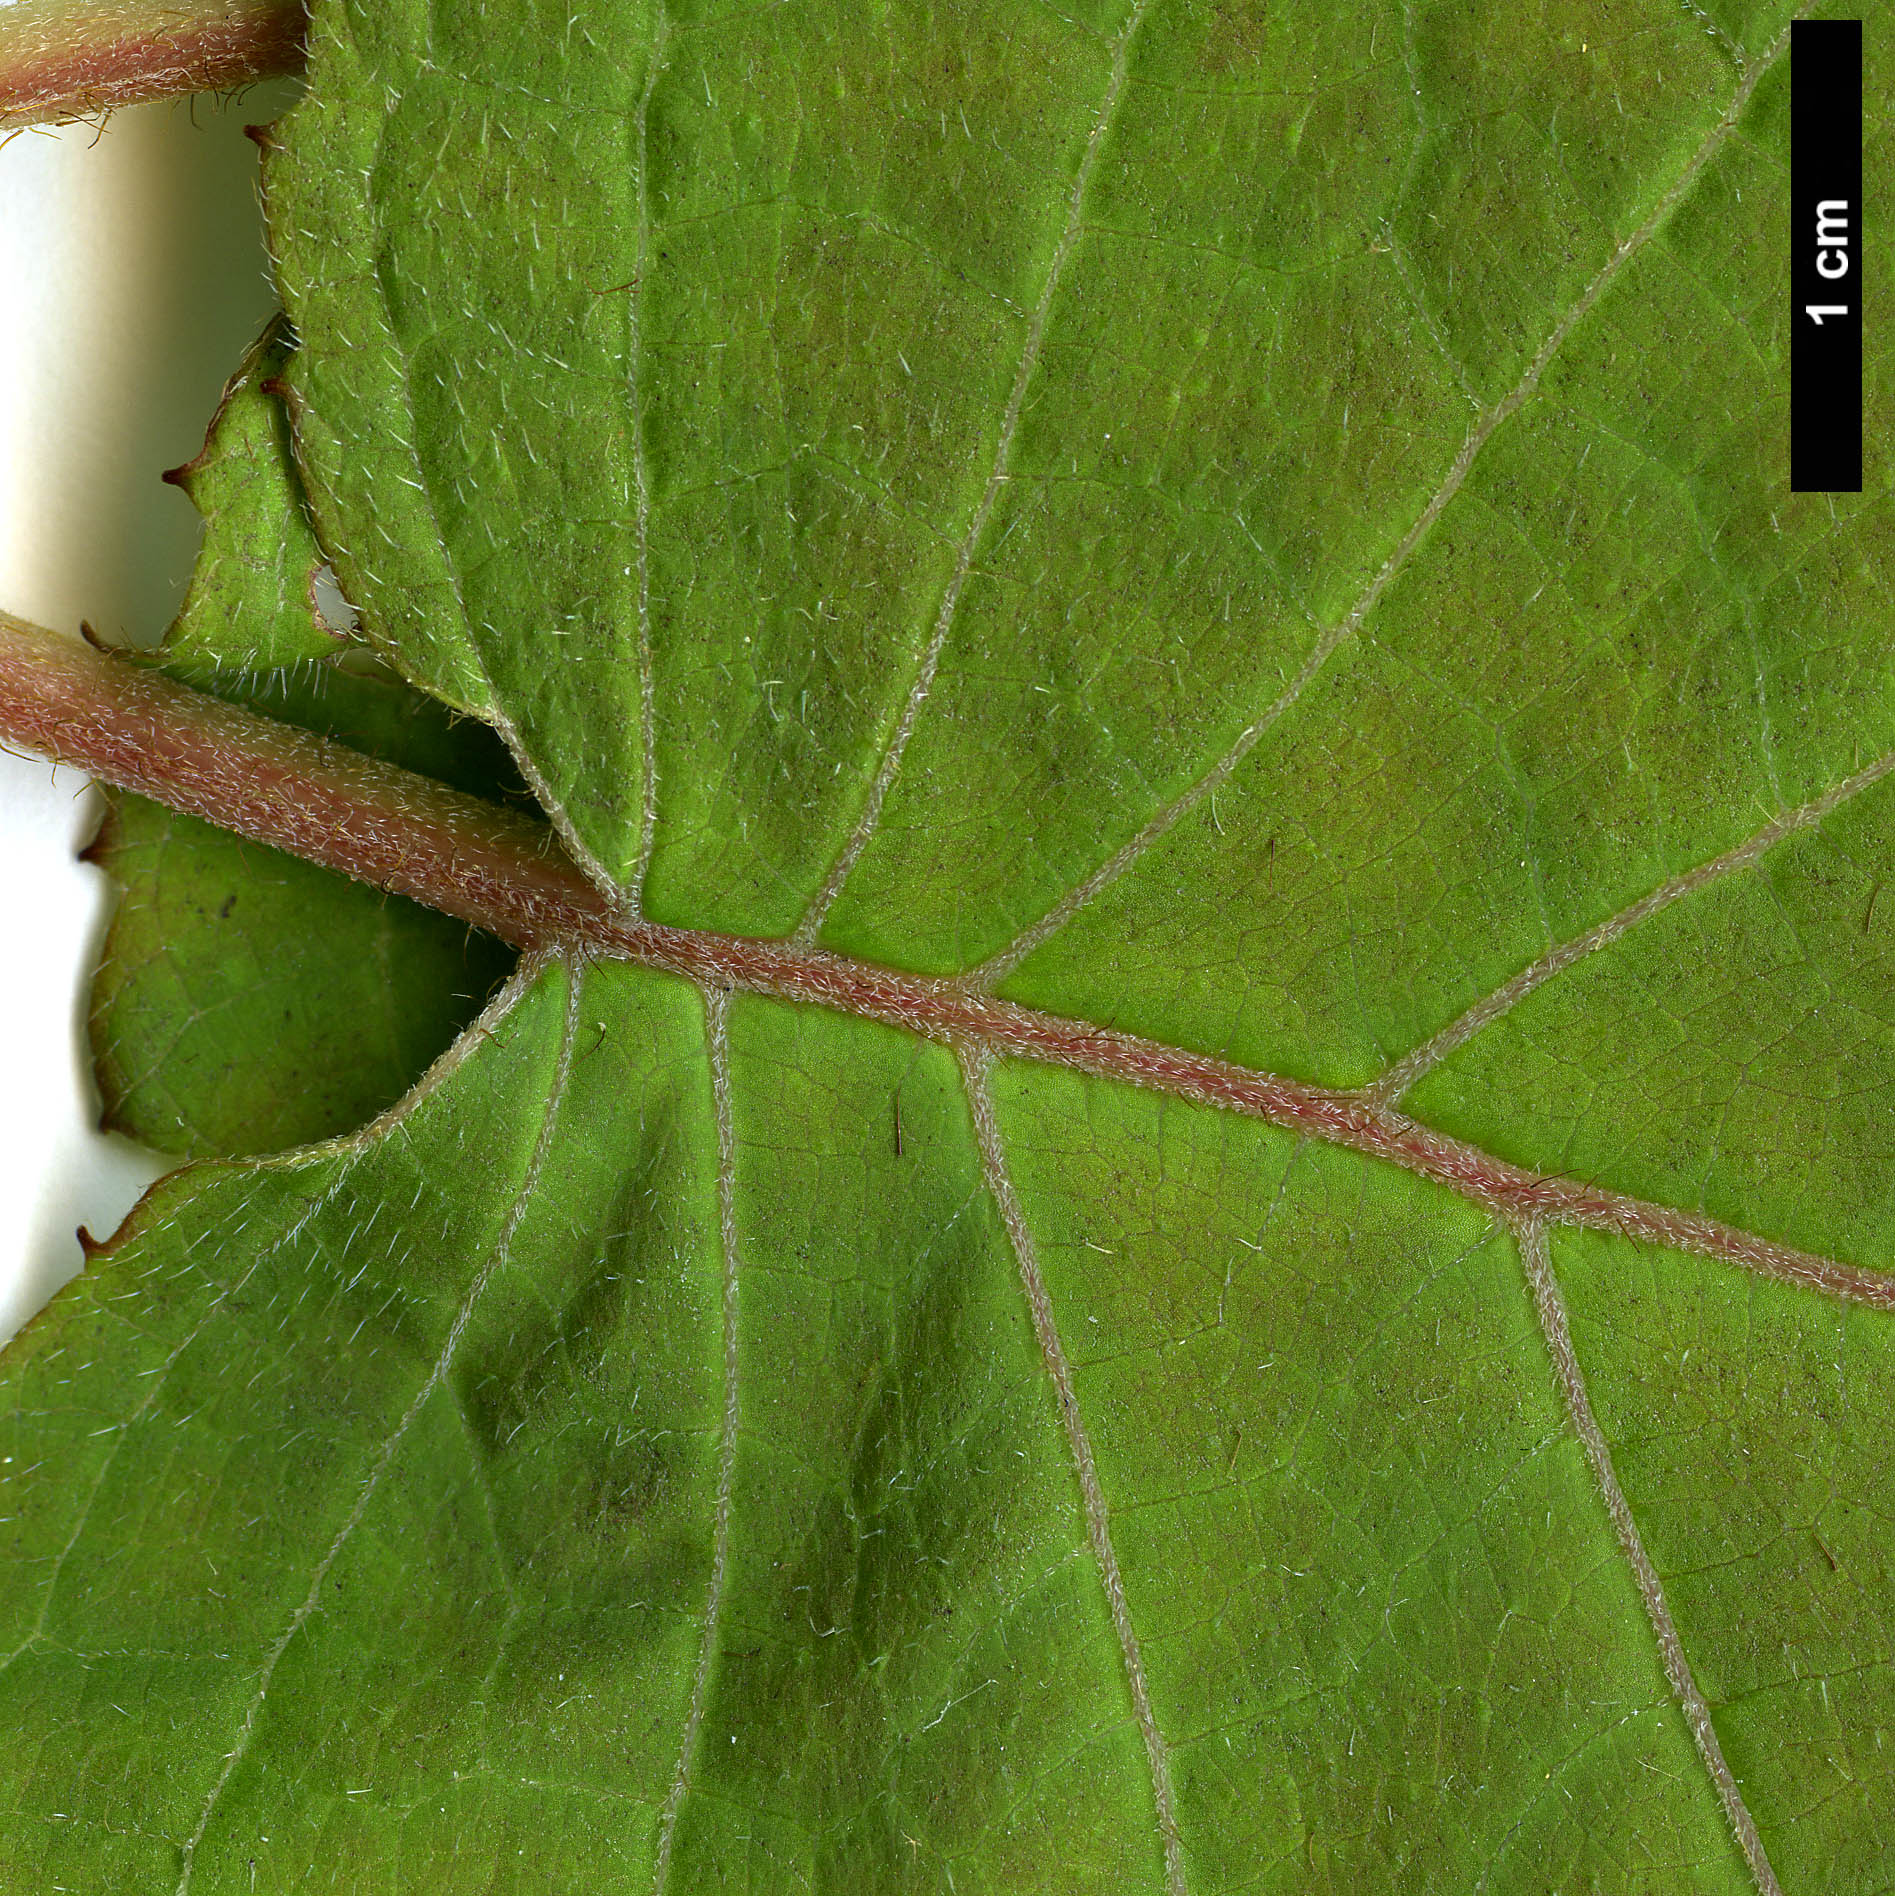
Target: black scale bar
[(1826, 257)]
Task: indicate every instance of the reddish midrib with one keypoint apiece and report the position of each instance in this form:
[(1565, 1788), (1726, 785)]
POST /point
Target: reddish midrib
[(114, 69), (404, 833)]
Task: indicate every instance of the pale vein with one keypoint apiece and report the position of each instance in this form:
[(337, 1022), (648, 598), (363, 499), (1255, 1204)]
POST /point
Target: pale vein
[(490, 710), (998, 966), (1551, 1306), (1410, 1068), (155, 1385), (890, 765), (717, 1021), (496, 1258), (974, 1064), (641, 478)]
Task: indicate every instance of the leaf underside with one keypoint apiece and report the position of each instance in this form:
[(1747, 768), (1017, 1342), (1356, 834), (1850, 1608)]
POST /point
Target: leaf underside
[(1262, 527), (218, 949)]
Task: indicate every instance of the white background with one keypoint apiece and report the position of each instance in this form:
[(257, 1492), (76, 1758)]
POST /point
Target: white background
[(132, 276)]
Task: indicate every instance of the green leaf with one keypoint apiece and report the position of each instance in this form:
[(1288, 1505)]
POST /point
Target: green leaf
[(246, 1001), (1263, 530)]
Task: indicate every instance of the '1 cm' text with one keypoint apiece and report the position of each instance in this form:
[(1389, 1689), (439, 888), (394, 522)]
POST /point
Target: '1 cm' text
[(1832, 254)]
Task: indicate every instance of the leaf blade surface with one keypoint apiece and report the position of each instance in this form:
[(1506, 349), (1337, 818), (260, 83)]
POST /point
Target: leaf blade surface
[(753, 419)]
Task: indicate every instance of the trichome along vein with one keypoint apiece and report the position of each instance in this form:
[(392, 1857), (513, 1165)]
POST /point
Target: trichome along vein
[(500, 872)]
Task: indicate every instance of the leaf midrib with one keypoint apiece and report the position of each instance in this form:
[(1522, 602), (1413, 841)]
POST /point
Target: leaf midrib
[(403, 833), (1364, 1121)]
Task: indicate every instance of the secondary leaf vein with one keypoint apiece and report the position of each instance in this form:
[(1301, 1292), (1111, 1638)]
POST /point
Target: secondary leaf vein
[(840, 870), (1551, 1308), (1412, 1066), (496, 1258), (641, 477), (999, 965), (993, 1160), (717, 1023)]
